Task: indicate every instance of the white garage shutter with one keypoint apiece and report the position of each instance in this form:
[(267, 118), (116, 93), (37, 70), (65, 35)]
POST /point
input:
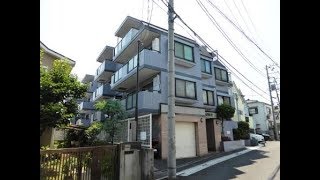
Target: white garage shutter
[(185, 140)]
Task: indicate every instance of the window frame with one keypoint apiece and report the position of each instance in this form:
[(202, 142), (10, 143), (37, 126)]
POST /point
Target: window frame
[(216, 70), (185, 89), (131, 95), (223, 99), (255, 109), (204, 60), (206, 91), (183, 52)]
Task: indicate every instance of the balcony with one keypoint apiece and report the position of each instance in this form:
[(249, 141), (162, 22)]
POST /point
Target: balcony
[(125, 41), (104, 92), (105, 71), (106, 54), (148, 102), (125, 77), (86, 106), (128, 46)]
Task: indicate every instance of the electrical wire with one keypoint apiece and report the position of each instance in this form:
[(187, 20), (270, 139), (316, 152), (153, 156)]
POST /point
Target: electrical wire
[(241, 30), (216, 24), (210, 48), (242, 18)]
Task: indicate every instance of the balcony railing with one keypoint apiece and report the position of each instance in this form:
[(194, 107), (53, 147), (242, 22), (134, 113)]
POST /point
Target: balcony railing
[(125, 41), (86, 106), (125, 69), (105, 70), (123, 78), (146, 100), (104, 91)]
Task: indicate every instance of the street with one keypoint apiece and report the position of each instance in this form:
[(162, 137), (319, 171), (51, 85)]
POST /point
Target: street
[(260, 164)]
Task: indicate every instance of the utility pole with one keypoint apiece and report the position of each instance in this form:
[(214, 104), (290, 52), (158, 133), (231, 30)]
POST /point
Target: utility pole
[(274, 119), (137, 91), (275, 81), (171, 96)]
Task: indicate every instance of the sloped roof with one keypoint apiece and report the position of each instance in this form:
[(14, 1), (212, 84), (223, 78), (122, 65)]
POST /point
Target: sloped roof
[(56, 54)]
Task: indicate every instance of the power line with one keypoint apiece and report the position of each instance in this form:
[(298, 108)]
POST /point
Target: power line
[(250, 19), (216, 24), (237, 27), (207, 45), (151, 13), (242, 18), (241, 30), (175, 21), (219, 55), (232, 14)]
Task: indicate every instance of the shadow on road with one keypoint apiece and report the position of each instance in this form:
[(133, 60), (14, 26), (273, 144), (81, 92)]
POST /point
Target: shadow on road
[(227, 169)]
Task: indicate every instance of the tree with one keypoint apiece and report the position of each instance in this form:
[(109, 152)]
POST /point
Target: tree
[(59, 91), (225, 112), (115, 112)]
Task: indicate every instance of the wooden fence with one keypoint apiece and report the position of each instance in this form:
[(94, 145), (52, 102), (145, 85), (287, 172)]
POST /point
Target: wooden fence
[(83, 163)]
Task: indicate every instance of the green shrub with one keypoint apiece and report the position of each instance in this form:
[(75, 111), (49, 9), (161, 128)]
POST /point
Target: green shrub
[(242, 132)]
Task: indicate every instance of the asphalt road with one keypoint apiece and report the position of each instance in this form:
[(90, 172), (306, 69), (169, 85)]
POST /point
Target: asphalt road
[(261, 164)]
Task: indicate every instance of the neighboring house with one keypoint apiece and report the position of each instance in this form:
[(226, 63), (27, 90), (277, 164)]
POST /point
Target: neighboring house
[(50, 55), (48, 58), (242, 108), (201, 83), (262, 116)]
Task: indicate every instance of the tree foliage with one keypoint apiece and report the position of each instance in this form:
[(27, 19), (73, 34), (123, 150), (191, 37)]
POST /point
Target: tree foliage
[(115, 112), (224, 112), (59, 91)]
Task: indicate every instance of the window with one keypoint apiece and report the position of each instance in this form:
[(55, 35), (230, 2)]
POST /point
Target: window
[(224, 99), (185, 89), (247, 119), (206, 66), (208, 97), (130, 65), (183, 51), (131, 101), (269, 110), (221, 74), (253, 110)]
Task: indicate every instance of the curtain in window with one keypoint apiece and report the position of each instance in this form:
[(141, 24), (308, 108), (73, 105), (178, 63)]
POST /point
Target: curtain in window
[(204, 96), (208, 67), (210, 97), (180, 88), (224, 76), (190, 89), (178, 50), (188, 53)]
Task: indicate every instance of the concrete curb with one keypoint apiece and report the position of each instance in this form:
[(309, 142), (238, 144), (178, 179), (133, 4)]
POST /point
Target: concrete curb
[(274, 173)]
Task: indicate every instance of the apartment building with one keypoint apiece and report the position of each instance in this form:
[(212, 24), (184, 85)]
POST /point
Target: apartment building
[(201, 83), (262, 115)]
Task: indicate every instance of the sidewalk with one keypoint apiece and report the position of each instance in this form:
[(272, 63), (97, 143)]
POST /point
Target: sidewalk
[(160, 166)]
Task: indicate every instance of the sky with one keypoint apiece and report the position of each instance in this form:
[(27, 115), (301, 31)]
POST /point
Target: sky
[(80, 29)]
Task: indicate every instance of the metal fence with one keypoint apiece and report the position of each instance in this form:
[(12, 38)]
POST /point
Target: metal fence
[(83, 163)]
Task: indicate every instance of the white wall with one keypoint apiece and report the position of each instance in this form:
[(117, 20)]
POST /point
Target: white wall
[(261, 117)]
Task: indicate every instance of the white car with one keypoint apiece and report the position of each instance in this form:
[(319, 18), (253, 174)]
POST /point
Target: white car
[(258, 137)]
